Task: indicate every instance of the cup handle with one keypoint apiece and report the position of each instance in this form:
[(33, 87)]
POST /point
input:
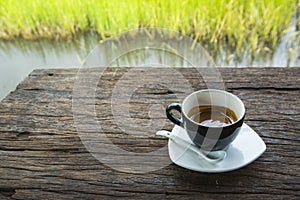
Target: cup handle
[(171, 116)]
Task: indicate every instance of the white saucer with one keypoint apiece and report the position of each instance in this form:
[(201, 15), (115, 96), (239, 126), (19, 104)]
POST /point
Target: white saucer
[(246, 148)]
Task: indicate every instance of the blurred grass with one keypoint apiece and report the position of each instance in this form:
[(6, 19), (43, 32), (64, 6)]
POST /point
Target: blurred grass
[(255, 23)]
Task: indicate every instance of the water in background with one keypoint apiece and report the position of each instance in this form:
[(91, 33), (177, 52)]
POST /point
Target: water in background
[(18, 58)]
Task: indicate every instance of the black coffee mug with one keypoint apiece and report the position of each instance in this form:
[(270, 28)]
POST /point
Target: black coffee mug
[(205, 137)]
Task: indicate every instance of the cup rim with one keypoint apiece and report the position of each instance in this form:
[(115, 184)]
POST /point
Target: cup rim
[(214, 90)]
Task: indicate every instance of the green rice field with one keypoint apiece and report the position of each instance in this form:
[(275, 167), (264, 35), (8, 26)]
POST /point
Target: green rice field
[(256, 23)]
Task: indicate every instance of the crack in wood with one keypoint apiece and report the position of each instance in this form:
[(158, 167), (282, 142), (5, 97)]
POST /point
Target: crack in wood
[(7, 191)]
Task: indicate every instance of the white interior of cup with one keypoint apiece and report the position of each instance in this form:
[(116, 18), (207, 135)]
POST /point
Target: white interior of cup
[(215, 98)]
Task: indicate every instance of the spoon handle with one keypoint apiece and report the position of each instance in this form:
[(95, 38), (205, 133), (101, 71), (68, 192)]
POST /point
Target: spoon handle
[(211, 157)]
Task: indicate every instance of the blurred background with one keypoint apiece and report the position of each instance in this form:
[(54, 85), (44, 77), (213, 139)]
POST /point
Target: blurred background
[(60, 33)]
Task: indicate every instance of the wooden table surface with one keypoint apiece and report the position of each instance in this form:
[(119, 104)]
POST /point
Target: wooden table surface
[(43, 157)]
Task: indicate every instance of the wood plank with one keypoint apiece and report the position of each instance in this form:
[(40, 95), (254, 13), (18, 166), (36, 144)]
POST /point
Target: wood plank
[(42, 156)]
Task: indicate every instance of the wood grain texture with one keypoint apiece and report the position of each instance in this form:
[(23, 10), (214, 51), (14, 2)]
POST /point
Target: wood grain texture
[(42, 156)]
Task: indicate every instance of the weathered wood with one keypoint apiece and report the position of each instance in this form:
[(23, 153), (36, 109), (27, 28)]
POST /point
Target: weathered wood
[(42, 156)]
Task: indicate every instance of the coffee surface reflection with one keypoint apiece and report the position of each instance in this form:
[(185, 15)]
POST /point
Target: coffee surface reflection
[(212, 116)]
